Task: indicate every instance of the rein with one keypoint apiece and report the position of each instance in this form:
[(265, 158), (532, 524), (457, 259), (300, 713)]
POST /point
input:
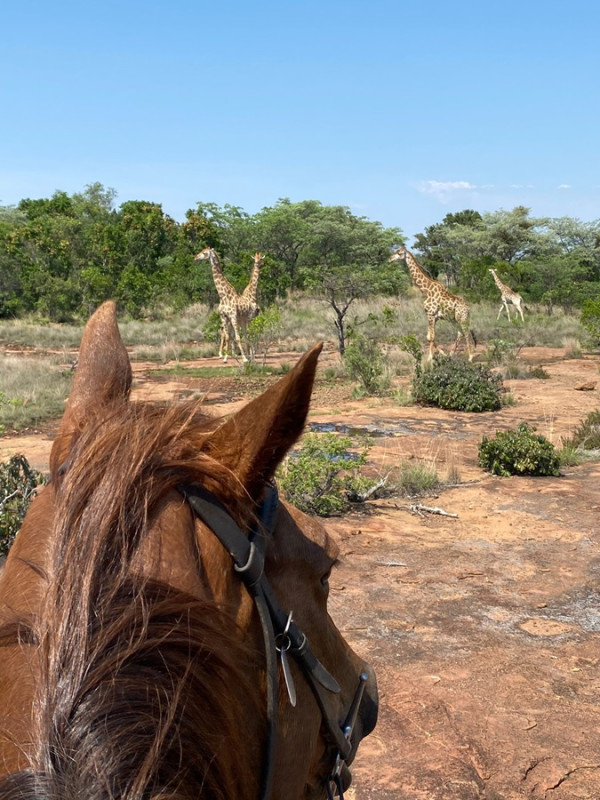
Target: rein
[(281, 635)]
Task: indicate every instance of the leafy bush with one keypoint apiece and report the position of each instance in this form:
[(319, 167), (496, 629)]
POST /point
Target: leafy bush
[(212, 327), (18, 484), (263, 331), (458, 385), (590, 318), (363, 360), (519, 452), (324, 475)]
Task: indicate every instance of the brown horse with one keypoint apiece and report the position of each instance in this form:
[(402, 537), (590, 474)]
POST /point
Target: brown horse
[(137, 662)]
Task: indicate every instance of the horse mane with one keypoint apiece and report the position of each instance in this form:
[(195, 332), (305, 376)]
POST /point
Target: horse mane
[(140, 682)]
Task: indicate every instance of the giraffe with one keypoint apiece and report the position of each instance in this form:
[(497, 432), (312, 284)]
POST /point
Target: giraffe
[(250, 291), (438, 304), (508, 297), (233, 309)]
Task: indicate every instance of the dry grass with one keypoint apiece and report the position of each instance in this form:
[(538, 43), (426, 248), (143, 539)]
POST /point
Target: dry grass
[(33, 390)]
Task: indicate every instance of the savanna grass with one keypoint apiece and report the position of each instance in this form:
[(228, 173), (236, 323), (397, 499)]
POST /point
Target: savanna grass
[(32, 390)]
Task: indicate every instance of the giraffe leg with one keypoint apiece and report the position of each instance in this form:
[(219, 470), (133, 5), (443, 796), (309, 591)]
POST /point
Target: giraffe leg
[(459, 336), (470, 342), (238, 339), (431, 337), (226, 338), (224, 341), (520, 310)]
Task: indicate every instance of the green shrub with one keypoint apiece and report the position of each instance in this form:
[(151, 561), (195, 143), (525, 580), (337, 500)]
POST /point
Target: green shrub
[(18, 484), (590, 318), (212, 327), (324, 476), (538, 372), (411, 345), (519, 452), (363, 361), (458, 385), (263, 331)]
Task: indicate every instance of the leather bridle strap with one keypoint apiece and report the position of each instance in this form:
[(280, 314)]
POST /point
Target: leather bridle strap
[(248, 561), (247, 553)]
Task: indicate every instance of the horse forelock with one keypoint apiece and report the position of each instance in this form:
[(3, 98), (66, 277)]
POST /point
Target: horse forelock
[(141, 682)]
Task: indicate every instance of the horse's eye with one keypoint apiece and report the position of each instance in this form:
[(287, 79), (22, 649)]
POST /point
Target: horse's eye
[(327, 575)]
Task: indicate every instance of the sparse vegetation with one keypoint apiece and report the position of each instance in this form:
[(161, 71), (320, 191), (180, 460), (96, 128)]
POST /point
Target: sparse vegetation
[(364, 362), (585, 441), (416, 478)]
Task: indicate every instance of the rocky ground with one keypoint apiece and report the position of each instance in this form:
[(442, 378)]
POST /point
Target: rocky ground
[(482, 622)]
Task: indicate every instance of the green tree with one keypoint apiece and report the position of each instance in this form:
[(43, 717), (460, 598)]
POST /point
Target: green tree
[(347, 257)]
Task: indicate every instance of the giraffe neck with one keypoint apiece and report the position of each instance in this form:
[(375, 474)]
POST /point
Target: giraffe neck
[(249, 292), (421, 280), (502, 286), (222, 285)]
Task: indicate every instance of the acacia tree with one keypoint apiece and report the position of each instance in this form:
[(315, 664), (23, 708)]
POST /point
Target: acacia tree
[(347, 257)]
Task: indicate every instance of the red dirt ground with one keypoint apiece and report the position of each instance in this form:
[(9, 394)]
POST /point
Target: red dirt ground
[(483, 628)]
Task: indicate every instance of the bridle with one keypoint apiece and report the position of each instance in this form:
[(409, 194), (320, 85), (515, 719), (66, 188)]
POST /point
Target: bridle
[(282, 637)]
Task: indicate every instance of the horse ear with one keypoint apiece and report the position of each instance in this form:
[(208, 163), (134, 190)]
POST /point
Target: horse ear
[(254, 441), (102, 377)]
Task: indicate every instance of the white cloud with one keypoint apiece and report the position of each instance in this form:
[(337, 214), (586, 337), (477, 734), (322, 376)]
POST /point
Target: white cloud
[(565, 186), (443, 190)]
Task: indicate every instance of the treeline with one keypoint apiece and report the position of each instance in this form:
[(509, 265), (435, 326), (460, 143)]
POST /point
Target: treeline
[(549, 261), (62, 256)]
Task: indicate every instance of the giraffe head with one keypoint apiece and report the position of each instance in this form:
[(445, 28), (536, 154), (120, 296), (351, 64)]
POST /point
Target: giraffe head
[(399, 254), (493, 271), (204, 255), (259, 257)]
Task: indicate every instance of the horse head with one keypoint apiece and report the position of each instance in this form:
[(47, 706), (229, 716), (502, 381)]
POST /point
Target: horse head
[(164, 625)]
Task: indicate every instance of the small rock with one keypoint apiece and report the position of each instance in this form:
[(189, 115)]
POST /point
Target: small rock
[(586, 387)]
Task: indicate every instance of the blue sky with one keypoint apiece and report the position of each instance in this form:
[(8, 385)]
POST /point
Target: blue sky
[(403, 111)]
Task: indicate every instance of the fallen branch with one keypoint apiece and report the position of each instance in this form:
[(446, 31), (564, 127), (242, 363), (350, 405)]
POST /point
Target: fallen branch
[(417, 508), (360, 498)]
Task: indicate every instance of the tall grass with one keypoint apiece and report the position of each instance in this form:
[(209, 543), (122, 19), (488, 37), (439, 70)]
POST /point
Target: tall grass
[(306, 320), (32, 390)]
